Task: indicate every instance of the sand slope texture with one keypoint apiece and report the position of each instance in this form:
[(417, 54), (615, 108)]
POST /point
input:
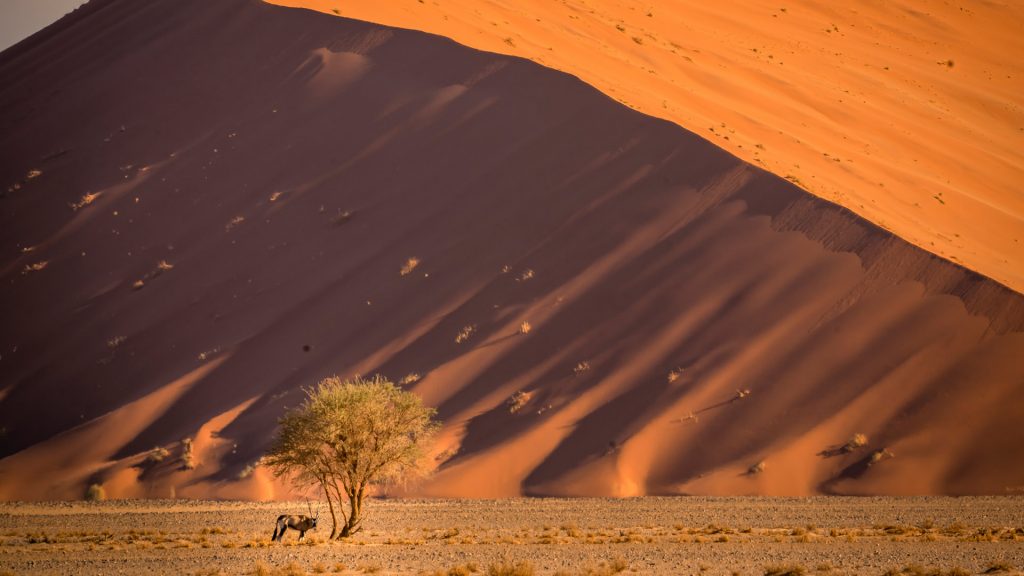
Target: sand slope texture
[(209, 205)]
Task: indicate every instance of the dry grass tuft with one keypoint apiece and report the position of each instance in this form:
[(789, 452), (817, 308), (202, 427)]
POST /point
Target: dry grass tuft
[(521, 568), (581, 367), (610, 568), (525, 328), (410, 378), (757, 468)]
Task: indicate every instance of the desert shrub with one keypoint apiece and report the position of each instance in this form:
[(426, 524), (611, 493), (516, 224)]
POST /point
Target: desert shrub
[(757, 468), (856, 441), (525, 328), (116, 341), (409, 266), (158, 454), (880, 455), (86, 200), (188, 459), (517, 401), (35, 267), (521, 568), (410, 378), (249, 469), (465, 333), (95, 493), (917, 570)]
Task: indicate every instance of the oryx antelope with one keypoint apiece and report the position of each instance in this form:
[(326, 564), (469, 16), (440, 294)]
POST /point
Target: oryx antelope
[(299, 522)]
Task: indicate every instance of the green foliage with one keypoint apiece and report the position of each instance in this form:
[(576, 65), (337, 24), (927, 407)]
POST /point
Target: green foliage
[(349, 435)]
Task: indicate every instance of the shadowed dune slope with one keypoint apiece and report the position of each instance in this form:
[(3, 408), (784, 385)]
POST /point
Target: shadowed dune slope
[(210, 205)]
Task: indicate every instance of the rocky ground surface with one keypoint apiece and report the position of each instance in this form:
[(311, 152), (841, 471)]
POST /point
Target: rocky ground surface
[(685, 535)]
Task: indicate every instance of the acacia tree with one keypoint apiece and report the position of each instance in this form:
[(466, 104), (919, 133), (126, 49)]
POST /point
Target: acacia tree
[(348, 436)]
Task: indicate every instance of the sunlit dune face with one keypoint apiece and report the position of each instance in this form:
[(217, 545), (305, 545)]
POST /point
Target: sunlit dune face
[(908, 113)]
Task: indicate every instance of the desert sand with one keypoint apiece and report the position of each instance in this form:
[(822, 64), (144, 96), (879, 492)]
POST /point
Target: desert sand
[(909, 113), (576, 537), (208, 206)]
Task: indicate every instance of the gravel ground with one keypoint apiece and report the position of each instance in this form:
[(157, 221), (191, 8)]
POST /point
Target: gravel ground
[(685, 535)]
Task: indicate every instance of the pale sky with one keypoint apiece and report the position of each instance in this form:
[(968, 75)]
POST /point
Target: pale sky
[(20, 19)]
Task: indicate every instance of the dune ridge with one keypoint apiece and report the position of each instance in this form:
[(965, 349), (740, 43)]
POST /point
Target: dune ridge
[(909, 113), (228, 193)]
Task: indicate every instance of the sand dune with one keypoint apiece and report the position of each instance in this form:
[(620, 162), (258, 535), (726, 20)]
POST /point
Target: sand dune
[(909, 113), (215, 203)]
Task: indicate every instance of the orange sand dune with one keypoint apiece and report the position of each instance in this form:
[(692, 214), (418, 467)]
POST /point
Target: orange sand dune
[(215, 202), (910, 112)]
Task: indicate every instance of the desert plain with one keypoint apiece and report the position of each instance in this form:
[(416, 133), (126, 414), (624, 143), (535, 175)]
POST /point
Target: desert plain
[(543, 536)]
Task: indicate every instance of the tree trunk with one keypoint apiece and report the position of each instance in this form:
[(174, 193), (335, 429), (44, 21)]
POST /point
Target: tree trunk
[(341, 511), (330, 506), (355, 498)]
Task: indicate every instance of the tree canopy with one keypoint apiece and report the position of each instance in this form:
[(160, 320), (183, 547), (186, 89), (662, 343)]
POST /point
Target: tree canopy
[(348, 436)]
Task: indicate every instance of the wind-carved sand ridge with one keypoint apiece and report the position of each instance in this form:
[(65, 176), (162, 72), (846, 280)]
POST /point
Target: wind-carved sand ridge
[(259, 181), (910, 112)]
